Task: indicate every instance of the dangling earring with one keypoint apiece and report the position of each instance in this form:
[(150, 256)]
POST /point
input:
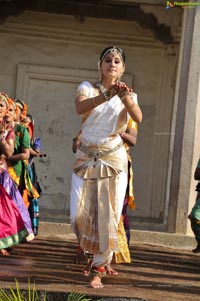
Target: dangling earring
[(100, 72), (100, 76)]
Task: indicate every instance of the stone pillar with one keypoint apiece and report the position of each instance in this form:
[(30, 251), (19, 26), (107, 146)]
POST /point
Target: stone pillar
[(186, 125)]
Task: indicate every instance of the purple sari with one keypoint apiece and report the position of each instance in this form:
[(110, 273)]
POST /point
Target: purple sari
[(11, 189)]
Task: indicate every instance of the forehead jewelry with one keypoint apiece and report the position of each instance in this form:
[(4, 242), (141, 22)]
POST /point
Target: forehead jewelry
[(113, 51)]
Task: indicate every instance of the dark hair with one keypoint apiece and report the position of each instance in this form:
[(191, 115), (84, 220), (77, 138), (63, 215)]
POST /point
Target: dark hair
[(30, 117), (106, 50), (20, 103)]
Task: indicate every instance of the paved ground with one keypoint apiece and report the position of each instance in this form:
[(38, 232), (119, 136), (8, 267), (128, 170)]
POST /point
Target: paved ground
[(156, 273)]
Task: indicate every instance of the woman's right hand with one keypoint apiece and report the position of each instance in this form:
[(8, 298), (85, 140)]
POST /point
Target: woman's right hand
[(120, 89), (123, 89)]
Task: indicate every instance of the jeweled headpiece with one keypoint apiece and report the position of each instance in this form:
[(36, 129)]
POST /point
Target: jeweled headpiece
[(23, 106), (113, 50)]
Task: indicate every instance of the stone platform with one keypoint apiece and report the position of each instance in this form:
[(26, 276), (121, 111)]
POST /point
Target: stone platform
[(156, 272)]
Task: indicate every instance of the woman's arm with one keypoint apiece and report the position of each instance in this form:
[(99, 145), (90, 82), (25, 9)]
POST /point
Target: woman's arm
[(34, 153), (133, 109), (7, 147), (125, 93), (130, 136), (24, 155), (7, 137), (84, 104)]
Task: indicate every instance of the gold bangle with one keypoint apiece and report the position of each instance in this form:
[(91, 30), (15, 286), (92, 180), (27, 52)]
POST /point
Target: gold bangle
[(95, 104)]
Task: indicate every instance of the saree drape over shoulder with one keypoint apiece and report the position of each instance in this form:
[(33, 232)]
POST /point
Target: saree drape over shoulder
[(100, 159)]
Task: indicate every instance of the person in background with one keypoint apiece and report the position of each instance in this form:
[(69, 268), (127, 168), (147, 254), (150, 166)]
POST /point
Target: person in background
[(35, 143), (18, 162), (9, 184), (194, 216), (17, 165), (123, 255), (130, 139), (99, 179), (12, 225)]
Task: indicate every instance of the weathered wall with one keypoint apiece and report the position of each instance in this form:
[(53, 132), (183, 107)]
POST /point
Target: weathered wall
[(43, 59), (187, 144)]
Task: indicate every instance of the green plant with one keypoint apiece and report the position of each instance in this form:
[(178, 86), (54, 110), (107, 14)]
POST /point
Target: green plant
[(32, 295), (18, 295), (74, 296)]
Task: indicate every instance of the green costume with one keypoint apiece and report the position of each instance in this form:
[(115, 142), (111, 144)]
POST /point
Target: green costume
[(19, 170)]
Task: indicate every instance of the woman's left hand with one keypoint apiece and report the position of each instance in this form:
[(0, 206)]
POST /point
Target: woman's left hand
[(122, 89)]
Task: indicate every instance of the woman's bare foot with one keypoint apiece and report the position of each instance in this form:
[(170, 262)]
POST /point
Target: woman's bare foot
[(96, 274), (30, 237), (4, 252), (96, 282), (110, 271)]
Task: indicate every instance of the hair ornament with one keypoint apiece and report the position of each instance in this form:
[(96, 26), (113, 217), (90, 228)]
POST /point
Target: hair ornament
[(23, 106), (113, 50)]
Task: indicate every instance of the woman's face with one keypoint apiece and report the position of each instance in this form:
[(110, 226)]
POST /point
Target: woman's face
[(18, 114), (10, 114), (112, 66), (2, 109)]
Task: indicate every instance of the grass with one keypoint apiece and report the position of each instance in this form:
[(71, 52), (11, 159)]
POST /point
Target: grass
[(32, 294), (17, 295)]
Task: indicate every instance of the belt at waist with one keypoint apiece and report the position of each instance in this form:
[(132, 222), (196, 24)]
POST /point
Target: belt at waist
[(95, 155)]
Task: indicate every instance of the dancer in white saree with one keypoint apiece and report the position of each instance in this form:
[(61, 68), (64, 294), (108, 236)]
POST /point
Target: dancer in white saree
[(99, 179)]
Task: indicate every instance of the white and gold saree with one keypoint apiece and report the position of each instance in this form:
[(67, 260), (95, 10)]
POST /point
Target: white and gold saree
[(99, 180)]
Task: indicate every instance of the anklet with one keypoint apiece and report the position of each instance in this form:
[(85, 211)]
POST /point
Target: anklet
[(97, 271)]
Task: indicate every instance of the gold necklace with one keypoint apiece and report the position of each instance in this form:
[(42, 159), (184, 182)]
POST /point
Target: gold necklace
[(103, 90)]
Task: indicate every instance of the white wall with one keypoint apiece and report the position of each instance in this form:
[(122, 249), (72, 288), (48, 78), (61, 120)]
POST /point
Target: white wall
[(45, 56)]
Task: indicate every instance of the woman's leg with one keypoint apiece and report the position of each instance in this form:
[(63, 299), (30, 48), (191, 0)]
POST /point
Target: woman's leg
[(121, 191), (103, 260), (98, 268), (76, 185)]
